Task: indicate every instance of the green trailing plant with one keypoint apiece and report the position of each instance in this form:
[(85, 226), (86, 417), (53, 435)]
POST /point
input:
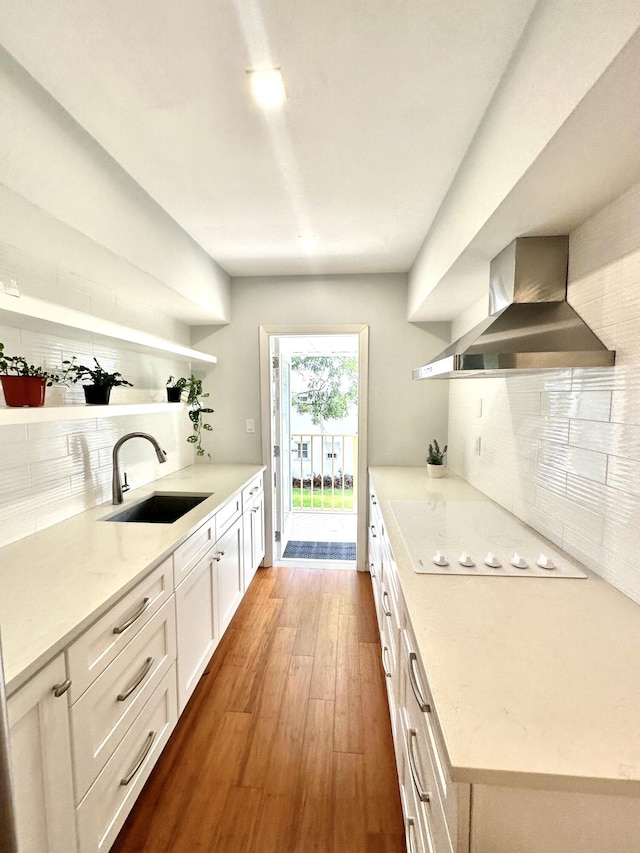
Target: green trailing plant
[(17, 365), (95, 375), (436, 455), (192, 387)]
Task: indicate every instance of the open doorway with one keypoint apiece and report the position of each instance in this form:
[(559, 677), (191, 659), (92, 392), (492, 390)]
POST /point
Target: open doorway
[(314, 405)]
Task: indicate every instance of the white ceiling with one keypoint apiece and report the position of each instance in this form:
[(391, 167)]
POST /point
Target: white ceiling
[(384, 97)]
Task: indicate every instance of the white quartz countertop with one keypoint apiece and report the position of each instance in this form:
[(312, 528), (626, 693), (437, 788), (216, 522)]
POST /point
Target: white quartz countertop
[(535, 682), (55, 583)]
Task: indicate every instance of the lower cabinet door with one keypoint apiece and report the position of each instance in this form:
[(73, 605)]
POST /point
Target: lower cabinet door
[(230, 585), (111, 797), (197, 625), (41, 764)]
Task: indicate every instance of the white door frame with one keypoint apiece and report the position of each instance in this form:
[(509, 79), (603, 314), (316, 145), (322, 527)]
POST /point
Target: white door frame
[(266, 332)]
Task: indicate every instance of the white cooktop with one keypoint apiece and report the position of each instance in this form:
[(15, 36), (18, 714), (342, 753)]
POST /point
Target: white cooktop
[(477, 538)]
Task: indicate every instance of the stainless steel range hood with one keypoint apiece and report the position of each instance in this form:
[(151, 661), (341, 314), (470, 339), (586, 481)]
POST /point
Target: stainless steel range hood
[(530, 326)]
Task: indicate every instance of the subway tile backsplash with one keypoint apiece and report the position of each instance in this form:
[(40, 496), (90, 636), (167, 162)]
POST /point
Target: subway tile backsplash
[(53, 470), (561, 449)]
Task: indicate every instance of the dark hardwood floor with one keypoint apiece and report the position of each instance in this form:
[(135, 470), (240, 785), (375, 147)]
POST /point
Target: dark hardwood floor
[(285, 744)]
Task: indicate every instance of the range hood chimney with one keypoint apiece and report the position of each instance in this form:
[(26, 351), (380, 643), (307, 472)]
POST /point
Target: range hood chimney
[(530, 326)]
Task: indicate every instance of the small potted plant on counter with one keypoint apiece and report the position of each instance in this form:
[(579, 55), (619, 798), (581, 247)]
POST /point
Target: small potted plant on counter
[(23, 383), (435, 459), (197, 410), (175, 388), (98, 390)]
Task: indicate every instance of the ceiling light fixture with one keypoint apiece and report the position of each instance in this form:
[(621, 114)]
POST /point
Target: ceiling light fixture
[(267, 86), (308, 241)]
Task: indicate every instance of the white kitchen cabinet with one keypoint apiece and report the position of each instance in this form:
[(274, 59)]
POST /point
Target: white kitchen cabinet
[(111, 797), (197, 625), (253, 542), (438, 812), (230, 586), (41, 763), (106, 710)]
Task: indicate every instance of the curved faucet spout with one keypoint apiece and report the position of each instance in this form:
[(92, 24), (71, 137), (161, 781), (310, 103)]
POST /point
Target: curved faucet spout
[(116, 486)]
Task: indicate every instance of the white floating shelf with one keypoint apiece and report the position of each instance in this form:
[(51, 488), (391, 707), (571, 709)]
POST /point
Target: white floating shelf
[(34, 415), (30, 313)]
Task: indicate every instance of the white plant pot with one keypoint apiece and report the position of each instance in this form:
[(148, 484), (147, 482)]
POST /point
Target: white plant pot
[(435, 470)]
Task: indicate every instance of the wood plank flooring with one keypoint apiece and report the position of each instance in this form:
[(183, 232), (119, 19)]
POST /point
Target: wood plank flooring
[(285, 745)]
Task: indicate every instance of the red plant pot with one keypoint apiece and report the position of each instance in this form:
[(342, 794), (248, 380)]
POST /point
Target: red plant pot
[(23, 390)]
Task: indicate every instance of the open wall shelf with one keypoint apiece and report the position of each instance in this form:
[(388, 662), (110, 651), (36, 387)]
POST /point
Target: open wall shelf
[(82, 412), (27, 312)]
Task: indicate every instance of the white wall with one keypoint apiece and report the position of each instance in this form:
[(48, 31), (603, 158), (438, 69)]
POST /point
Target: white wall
[(403, 415), (561, 450), (47, 159)]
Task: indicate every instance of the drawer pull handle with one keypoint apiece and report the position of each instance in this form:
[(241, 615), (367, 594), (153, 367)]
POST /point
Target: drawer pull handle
[(60, 689), (372, 570), (423, 796), (385, 657), (119, 629), (415, 686), (373, 531), (385, 603), (146, 749), (137, 680), (411, 835)]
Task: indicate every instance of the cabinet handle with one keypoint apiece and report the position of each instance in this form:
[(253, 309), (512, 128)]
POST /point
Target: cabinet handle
[(373, 532), (219, 556), (415, 686), (387, 669), (372, 570), (60, 689), (411, 835), (256, 509), (120, 628), (137, 680), (146, 749), (385, 603), (423, 796)]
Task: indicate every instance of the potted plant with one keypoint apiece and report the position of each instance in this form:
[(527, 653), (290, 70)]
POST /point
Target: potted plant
[(175, 388), (23, 383), (197, 410), (98, 390), (435, 459)]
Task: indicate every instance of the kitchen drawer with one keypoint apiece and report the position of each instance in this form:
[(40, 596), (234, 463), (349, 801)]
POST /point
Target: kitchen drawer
[(104, 809), (228, 514), (187, 556), (251, 492), (93, 651), (102, 715), (418, 703), (419, 781)]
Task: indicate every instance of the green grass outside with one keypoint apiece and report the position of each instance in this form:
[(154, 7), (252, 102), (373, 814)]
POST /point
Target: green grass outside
[(339, 499)]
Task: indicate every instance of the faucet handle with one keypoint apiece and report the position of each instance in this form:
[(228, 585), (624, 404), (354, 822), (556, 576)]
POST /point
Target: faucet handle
[(125, 485)]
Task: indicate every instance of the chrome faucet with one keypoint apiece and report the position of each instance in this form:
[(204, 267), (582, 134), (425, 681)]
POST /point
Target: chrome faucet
[(117, 488)]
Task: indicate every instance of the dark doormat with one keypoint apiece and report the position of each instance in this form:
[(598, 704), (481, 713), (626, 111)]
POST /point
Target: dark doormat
[(319, 550)]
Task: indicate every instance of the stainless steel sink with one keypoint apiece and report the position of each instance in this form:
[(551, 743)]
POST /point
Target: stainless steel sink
[(159, 509)]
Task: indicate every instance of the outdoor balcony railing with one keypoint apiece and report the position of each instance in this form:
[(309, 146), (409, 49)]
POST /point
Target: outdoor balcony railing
[(323, 472)]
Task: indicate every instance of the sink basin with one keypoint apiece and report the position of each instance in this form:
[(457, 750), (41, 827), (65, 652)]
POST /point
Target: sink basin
[(159, 509)]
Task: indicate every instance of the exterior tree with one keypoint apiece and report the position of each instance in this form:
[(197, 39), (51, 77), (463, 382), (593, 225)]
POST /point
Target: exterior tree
[(331, 386)]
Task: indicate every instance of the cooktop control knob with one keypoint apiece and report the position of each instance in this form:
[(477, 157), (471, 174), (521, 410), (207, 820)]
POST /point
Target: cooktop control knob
[(545, 562), (465, 560), (518, 561), (492, 561), (440, 559)]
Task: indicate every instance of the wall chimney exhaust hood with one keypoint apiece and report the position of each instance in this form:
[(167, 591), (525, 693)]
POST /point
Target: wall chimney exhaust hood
[(530, 326)]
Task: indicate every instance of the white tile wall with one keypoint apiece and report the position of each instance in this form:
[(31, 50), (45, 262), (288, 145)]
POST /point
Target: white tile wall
[(561, 449), (53, 470)]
